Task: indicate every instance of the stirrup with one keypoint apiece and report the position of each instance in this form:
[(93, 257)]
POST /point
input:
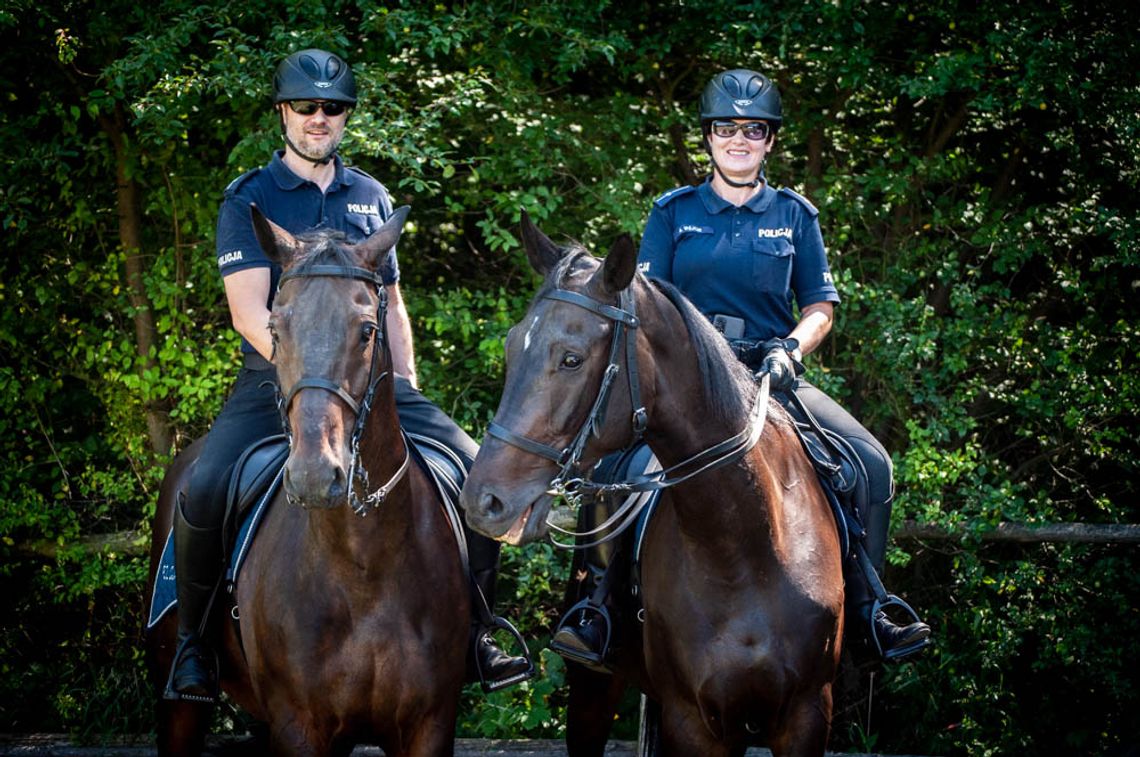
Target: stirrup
[(594, 661), (900, 654), (177, 696), (489, 686)]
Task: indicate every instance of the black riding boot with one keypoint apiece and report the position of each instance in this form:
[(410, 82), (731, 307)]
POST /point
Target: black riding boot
[(496, 668), (891, 641), (583, 635), (197, 566)]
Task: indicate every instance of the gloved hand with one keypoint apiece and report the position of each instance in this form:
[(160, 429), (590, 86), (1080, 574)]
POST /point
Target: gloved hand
[(779, 366), (780, 363)]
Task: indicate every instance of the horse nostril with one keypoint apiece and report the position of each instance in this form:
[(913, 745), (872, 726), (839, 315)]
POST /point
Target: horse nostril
[(339, 486), (490, 505)]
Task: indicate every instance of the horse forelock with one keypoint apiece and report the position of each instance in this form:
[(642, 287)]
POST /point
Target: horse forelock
[(323, 247), (571, 254), (727, 386)]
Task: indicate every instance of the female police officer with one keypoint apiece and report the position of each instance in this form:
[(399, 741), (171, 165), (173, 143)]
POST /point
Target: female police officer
[(744, 254), (305, 186)]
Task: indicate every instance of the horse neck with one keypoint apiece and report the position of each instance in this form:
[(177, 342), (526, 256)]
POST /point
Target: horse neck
[(718, 506), (682, 417)]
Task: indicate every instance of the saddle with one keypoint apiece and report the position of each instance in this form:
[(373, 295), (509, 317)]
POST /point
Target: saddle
[(254, 482)]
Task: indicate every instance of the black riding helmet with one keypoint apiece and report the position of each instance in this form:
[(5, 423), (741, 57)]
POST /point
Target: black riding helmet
[(314, 75), (741, 93)]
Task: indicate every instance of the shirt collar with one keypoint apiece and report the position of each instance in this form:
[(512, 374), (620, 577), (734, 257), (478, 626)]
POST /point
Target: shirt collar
[(714, 203), (288, 180)]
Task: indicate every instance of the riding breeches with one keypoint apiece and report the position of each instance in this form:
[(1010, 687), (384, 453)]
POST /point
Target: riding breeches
[(876, 461), (249, 415)]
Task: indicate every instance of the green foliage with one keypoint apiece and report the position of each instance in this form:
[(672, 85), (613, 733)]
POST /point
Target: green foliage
[(976, 171)]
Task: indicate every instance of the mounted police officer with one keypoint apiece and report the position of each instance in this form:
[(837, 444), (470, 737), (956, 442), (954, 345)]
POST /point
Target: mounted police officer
[(305, 186), (749, 256)]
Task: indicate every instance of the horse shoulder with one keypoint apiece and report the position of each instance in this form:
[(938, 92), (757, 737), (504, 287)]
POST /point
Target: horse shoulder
[(805, 529)]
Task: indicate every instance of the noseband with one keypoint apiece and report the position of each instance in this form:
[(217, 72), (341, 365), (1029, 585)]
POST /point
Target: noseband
[(570, 485), (362, 409)]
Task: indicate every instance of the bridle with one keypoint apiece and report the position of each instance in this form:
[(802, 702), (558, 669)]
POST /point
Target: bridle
[(571, 483), (568, 483), (356, 472)]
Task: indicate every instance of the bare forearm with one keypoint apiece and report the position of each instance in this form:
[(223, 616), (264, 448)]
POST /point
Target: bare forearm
[(400, 337), (815, 323)]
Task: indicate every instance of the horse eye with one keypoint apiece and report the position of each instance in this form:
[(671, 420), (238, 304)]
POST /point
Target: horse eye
[(366, 332), (571, 361)]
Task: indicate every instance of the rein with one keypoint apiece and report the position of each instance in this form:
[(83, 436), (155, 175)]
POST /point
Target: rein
[(362, 409), (571, 486)]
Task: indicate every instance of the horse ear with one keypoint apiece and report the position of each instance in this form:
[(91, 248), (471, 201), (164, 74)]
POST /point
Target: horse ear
[(277, 243), (373, 251), (620, 265), (540, 251)]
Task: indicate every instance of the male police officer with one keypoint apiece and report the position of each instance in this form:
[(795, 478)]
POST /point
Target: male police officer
[(305, 186)]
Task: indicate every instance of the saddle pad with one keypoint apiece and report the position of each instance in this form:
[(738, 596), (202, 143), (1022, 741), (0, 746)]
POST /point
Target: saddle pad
[(165, 594)]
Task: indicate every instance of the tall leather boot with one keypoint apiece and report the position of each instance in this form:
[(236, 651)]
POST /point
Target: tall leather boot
[(496, 668), (584, 632), (197, 568), (865, 600)]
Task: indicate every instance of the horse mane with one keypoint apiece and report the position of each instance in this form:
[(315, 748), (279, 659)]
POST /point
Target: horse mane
[(727, 384)]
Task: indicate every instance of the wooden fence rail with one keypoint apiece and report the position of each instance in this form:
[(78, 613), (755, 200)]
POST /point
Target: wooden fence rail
[(135, 543)]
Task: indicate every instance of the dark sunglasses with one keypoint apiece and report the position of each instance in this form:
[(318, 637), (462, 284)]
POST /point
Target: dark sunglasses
[(309, 107), (757, 131)]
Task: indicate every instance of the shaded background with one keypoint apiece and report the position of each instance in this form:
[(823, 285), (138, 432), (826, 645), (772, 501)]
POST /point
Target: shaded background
[(975, 166)]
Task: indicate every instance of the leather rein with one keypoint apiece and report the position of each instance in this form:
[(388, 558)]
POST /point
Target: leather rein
[(572, 484), (356, 473)]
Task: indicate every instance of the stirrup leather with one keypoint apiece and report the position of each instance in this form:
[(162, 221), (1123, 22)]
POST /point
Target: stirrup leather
[(498, 622), (902, 652), (173, 694), (585, 606)]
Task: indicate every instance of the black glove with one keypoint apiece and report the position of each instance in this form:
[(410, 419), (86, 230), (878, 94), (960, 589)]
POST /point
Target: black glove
[(779, 364)]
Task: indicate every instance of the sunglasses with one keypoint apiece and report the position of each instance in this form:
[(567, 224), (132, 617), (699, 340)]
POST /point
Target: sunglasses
[(309, 107), (757, 131)]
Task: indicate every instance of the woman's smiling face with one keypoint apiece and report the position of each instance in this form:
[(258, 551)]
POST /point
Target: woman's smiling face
[(738, 157)]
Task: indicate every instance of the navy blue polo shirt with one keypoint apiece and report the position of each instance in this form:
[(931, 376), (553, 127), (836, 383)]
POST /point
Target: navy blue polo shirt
[(354, 203), (756, 262)]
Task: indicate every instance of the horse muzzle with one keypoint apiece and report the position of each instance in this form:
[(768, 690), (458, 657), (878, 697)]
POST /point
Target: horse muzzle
[(323, 485)]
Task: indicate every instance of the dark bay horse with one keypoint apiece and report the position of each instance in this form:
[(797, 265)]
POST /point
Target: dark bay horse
[(351, 629), (740, 573)]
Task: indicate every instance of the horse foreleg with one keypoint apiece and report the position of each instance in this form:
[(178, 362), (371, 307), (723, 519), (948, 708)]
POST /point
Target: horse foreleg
[(182, 727), (805, 730), (590, 711)]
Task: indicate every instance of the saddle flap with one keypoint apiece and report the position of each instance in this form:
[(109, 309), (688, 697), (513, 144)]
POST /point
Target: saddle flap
[(443, 464), (254, 471)]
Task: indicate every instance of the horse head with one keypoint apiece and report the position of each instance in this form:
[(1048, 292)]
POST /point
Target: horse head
[(327, 326), (553, 419)]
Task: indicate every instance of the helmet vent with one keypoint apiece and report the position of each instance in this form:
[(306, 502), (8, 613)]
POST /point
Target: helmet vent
[(310, 67)]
